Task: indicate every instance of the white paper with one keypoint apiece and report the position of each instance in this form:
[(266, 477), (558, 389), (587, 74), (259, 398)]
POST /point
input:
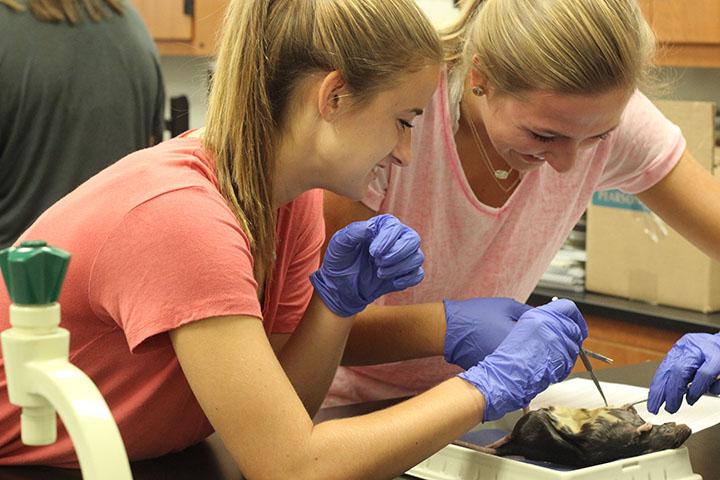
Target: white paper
[(582, 393)]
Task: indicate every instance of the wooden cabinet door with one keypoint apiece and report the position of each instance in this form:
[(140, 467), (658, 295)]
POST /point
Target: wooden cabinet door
[(166, 19), (686, 21), (687, 30)]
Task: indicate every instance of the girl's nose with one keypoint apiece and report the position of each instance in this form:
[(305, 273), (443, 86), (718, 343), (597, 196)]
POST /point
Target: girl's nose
[(563, 159), (402, 153)]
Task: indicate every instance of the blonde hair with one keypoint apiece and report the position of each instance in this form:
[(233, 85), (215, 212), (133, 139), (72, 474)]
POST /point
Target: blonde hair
[(67, 10), (565, 46), (267, 47)]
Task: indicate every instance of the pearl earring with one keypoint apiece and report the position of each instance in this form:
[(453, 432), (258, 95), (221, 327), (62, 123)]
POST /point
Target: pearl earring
[(478, 91)]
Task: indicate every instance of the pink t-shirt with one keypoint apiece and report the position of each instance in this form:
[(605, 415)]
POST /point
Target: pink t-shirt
[(473, 250), (154, 246)]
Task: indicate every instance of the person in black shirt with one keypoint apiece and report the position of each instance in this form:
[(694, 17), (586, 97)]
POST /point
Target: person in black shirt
[(80, 87)]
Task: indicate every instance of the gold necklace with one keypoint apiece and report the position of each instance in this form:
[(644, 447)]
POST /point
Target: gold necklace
[(497, 174)]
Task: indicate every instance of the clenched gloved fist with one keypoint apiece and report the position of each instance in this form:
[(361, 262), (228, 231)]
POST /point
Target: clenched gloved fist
[(694, 358), (366, 260), (540, 350), (476, 327)]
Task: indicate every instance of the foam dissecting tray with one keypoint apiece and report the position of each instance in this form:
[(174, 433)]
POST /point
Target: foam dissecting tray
[(459, 463)]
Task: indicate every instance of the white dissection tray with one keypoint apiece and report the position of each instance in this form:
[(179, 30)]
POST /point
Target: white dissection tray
[(459, 463)]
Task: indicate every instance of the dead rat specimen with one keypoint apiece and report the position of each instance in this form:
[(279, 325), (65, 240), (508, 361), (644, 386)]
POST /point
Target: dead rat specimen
[(579, 437)]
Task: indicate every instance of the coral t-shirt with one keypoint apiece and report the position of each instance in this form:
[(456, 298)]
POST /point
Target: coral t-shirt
[(154, 246), (474, 250)]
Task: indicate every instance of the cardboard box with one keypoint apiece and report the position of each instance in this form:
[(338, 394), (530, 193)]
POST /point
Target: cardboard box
[(631, 253)]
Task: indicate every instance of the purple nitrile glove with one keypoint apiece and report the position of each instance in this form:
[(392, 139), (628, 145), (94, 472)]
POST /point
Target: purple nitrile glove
[(366, 260), (694, 358), (475, 327), (540, 350)]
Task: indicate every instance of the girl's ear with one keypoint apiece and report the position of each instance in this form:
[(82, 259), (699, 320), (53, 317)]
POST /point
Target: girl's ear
[(477, 74), (332, 90)]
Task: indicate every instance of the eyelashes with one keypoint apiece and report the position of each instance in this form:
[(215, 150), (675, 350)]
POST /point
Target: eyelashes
[(544, 139), (405, 124)]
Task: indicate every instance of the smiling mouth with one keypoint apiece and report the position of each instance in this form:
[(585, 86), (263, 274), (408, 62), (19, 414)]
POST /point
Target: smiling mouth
[(533, 158)]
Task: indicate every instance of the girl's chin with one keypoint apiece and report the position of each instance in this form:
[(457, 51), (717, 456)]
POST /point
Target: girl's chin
[(358, 191)]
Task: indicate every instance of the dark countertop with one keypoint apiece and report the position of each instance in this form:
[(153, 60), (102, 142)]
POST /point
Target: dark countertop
[(634, 311), (210, 461)]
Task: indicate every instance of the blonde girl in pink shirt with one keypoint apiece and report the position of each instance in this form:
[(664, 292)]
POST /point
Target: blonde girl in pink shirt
[(538, 108), (194, 297)]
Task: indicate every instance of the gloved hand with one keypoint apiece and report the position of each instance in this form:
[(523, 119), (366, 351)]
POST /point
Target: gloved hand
[(694, 358), (475, 327), (366, 260), (540, 350)]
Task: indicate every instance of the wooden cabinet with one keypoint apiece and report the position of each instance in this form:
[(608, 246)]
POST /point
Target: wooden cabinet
[(687, 30), (183, 28), (625, 342)]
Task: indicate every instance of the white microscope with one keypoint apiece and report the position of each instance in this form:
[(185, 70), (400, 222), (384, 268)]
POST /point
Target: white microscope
[(40, 379)]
